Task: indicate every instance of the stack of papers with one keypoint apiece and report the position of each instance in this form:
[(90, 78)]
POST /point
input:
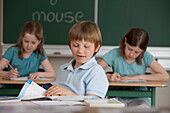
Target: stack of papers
[(104, 103)]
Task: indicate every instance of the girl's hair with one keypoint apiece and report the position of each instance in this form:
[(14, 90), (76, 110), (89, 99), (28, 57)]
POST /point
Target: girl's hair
[(136, 37), (85, 30), (34, 28)]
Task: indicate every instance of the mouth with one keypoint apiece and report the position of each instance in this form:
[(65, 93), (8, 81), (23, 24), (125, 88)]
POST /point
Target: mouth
[(80, 56)]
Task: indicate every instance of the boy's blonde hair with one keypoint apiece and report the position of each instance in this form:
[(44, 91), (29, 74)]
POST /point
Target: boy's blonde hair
[(85, 30), (35, 29), (136, 37)]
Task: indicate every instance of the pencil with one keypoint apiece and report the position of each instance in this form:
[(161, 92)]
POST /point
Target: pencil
[(11, 67)]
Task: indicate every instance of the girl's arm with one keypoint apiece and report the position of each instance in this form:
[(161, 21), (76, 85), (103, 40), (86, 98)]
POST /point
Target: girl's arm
[(103, 63), (110, 77), (49, 71), (7, 74), (159, 74)]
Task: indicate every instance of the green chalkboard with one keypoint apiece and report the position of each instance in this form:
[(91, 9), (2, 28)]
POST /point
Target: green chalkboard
[(56, 17), (116, 17)]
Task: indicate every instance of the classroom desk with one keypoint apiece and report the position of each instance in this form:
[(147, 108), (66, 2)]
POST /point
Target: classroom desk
[(15, 91), (29, 107), (135, 93)]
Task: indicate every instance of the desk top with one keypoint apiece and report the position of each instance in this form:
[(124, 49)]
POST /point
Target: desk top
[(29, 107), (4, 81), (147, 84)]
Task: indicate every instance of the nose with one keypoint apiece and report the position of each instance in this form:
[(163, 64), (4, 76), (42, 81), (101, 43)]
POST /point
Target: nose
[(29, 45), (80, 49), (131, 54)]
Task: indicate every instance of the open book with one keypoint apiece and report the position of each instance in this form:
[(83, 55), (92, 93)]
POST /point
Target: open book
[(32, 91)]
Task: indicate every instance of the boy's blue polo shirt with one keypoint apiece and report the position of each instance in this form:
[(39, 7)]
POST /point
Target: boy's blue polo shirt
[(25, 66), (89, 78)]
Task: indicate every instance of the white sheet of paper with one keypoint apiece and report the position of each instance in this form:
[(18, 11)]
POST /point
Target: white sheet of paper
[(50, 103), (26, 78)]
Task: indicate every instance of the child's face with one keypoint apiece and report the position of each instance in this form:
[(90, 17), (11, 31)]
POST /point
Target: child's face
[(30, 43), (82, 51), (131, 52)]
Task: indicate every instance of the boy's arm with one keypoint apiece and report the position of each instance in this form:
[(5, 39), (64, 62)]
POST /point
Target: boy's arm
[(56, 90)]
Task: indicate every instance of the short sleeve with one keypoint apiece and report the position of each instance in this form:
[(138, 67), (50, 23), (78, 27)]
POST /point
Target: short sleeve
[(9, 53), (111, 56), (107, 57), (97, 83), (45, 57), (148, 58)]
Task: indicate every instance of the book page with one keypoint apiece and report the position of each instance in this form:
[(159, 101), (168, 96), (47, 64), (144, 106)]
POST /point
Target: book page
[(31, 90), (52, 103), (133, 81)]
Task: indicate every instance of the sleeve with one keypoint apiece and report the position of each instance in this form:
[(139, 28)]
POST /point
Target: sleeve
[(97, 83), (109, 57), (148, 58), (45, 57), (9, 53)]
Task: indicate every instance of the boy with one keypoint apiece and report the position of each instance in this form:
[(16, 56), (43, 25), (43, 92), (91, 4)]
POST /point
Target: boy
[(82, 75)]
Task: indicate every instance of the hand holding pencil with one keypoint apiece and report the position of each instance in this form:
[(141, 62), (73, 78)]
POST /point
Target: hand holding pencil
[(13, 72)]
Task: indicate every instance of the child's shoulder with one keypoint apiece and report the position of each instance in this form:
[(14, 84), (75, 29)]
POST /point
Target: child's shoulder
[(13, 49), (113, 52), (64, 66)]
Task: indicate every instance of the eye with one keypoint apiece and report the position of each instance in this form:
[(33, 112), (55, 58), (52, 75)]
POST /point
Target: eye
[(136, 52), (87, 46), (130, 49), (75, 45), (26, 41), (33, 42)]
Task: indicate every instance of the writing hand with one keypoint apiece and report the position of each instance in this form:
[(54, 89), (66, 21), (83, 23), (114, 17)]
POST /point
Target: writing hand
[(114, 77), (13, 73)]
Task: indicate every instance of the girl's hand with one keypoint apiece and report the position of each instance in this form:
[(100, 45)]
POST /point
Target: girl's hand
[(13, 73), (34, 75), (113, 77), (58, 90)]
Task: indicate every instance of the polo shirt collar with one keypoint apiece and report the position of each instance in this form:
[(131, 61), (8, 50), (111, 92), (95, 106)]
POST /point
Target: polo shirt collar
[(90, 63)]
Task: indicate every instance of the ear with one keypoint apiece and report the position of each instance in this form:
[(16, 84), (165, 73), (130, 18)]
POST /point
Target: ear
[(39, 42), (125, 41), (97, 48)]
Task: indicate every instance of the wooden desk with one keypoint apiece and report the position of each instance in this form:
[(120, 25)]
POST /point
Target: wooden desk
[(135, 93), (29, 107), (15, 91)]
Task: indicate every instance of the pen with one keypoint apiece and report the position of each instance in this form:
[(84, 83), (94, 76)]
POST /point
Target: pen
[(11, 67)]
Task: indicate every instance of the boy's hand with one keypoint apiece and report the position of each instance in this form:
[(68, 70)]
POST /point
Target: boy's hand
[(56, 90)]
